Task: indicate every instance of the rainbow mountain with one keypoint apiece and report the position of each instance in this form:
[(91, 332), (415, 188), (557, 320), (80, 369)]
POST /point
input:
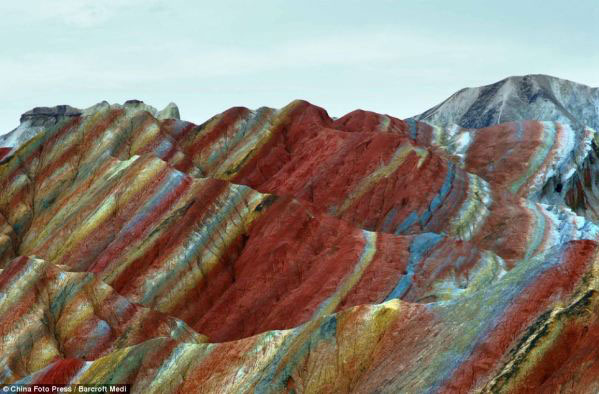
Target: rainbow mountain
[(286, 251)]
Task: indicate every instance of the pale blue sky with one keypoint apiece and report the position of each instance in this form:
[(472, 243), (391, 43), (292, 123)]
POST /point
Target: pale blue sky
[(395, 57)]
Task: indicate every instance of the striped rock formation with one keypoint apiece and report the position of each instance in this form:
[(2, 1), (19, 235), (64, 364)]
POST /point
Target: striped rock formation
[(547, 162), (48, 314), (533, 331), (195, 248), (570, 112), (286, 251), (377, 181)]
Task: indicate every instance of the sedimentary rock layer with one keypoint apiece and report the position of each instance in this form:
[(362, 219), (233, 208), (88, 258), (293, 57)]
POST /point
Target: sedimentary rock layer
[(48, 314), (286, 251), (195, 248), (532, 331), (377, 181)]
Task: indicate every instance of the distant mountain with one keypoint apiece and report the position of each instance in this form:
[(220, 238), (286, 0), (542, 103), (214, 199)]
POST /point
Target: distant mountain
[(529, 97)]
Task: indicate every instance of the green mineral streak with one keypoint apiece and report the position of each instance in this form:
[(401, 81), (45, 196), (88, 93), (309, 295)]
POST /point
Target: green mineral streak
[(549, 132)]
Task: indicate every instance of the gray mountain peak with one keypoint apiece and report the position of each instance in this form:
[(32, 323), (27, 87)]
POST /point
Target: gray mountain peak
[(529, 97)]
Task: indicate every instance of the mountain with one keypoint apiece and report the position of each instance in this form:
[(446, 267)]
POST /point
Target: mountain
[(34, 121), (488, 110), (282, 250), (529, 97)]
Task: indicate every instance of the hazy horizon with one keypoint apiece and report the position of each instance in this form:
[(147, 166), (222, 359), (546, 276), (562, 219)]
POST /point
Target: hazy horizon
[(386, 56)]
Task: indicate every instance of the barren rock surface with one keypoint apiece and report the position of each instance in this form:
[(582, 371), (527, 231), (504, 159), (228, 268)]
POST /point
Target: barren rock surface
[(282, 250)]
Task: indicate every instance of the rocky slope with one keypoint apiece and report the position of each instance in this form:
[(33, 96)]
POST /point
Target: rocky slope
[(284, 251), (532, 97), (574, 109)]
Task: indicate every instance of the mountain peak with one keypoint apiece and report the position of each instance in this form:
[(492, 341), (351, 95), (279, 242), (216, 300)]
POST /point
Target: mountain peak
[(34, 120), (44, 113), (534, 96)]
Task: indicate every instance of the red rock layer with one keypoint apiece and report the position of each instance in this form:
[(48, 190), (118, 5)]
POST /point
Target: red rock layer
[(509, 337), (47, 314), (337, 216)]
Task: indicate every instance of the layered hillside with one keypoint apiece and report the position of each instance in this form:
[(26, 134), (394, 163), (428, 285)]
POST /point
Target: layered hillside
[(515, 100), (282, 250)]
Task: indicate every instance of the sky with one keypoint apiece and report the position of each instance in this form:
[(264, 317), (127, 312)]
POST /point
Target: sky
[(394, 57)]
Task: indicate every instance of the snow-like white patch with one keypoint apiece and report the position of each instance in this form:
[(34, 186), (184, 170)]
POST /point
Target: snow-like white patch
[(18, 136)]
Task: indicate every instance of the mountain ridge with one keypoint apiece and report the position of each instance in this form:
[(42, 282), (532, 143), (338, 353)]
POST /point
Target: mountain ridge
[(283, 250), (526, 97)]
